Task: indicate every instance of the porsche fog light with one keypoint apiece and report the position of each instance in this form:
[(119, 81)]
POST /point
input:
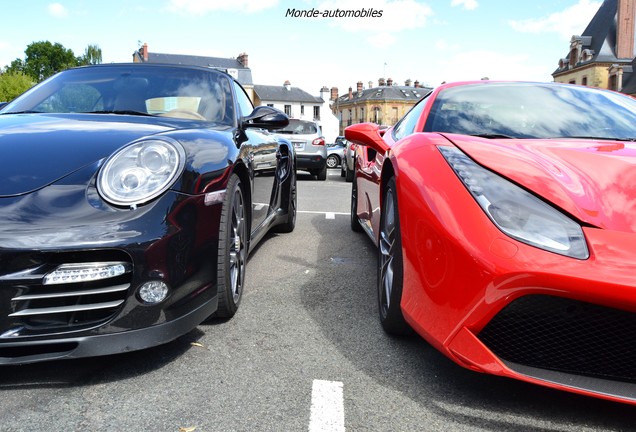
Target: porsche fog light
[(153, 292), (141, 171), (515, 211), (85, 272)]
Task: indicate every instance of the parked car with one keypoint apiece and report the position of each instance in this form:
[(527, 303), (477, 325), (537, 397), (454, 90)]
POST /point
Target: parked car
[(335, 154), (309, 144), (129, 203), (348, 167), (505, 220)]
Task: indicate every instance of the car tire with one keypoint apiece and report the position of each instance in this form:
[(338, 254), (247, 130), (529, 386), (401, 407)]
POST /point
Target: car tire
[(332, 161), (292, 207), (390, 269), (322, 174), (349, 175), (232, 255), (355, 222)]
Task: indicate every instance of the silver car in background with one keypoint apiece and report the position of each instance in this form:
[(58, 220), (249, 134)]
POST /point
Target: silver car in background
[(311, 152)]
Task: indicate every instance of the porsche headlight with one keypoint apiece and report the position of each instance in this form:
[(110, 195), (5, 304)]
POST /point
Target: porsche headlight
[(516, 212), (141, 171)]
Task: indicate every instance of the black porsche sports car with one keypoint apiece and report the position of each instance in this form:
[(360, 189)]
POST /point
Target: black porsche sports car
[(130, 197)]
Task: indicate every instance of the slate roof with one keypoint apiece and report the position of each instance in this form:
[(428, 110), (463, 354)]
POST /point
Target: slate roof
[(600, 36), (384, 93), (267, 93), (244, 74)]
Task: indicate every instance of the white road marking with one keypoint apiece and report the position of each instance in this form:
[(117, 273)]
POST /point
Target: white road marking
[(325, 213), (330, 215), (327, 407)]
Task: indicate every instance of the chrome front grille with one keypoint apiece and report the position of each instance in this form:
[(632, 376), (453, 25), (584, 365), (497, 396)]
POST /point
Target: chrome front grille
[(34, 305), (77, 301)]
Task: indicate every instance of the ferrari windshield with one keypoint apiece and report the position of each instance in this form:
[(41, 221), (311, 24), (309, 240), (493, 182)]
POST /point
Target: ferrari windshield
[(179, 92), (533, 110)]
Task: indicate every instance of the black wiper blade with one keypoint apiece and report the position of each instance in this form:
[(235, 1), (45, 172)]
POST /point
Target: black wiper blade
[(492, 135), (121, 112), (21, 112), (604, 138)]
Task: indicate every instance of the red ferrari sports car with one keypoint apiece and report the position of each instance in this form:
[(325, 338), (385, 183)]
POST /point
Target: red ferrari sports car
[(505, 220)]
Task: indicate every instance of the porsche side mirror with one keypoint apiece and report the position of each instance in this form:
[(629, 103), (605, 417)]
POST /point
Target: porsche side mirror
[(366, 134), (266, 117)]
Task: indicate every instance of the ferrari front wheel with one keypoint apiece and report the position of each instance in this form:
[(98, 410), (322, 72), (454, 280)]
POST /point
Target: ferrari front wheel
[(390, 274), (232, 254)]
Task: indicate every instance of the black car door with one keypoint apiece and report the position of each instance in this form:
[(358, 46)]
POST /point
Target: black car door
[(261, 149)]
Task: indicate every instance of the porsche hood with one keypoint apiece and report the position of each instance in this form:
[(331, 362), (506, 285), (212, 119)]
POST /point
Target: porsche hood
[(594, 181), (36, 150)]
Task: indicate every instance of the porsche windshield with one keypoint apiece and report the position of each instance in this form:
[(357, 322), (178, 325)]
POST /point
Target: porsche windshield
[(178, 92), (533, 110)]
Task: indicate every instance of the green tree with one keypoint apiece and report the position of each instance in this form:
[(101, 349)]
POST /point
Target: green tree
[(92, 55), (44, 59), (13, 84)]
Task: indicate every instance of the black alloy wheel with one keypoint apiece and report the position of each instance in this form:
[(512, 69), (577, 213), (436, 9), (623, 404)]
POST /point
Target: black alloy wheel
[(355, 222), (390, 269), (232, 250)]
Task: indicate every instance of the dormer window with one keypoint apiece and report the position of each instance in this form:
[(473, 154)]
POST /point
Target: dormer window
[(587, 55)]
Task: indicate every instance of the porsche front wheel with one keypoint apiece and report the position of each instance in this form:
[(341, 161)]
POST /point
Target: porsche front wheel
[(232, 255), (390, 276)]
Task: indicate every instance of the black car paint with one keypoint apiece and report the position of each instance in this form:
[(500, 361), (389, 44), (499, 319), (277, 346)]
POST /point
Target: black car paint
[(56, 215)]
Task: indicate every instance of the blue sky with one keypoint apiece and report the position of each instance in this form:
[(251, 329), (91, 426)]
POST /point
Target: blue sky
[(430, 40)]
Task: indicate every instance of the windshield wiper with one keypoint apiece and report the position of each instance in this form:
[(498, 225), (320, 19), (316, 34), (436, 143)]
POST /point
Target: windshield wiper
[(120, 112), (492, 135), (22, 112), (604, 138)]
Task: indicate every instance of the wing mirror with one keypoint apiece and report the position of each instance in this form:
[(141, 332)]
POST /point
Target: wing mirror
[(367, 134), (266, 117)]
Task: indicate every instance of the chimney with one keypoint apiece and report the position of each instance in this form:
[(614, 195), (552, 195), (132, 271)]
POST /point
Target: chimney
[(370, 84), (242, 59), (350, 93), (334, 93), (360, 86), (625, 29), (381, 82), (389, 82), (407, 83), (143, 51), (287, 85), (416, 84)]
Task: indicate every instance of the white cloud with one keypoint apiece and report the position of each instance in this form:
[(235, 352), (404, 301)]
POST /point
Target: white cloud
[(396, 15), (467, 4), (57, 10), (382, 40), (571, 21), (196, 7), (474, 65)]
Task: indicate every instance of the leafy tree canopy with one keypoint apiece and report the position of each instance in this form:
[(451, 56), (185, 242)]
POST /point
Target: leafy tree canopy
[(43, 59), (13, 84)]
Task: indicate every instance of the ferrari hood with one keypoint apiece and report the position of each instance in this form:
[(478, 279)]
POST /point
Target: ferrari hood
[(36, 149), (594, 181)]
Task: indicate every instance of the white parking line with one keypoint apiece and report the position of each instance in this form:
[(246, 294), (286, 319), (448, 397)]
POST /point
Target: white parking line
[(327, 407), (327, 214)]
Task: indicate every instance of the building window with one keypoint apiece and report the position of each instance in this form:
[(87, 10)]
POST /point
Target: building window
[(302, 110), (613, 82), (377, 117), (288, 110), (270, 105), (362, 119), (316, 113), (572, 81), (584, 81)]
